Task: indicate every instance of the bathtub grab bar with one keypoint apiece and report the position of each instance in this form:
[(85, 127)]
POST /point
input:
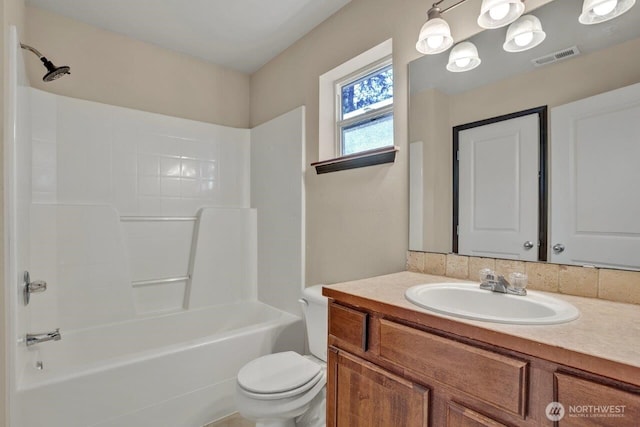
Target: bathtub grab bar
[(138, 283), (157, 218)]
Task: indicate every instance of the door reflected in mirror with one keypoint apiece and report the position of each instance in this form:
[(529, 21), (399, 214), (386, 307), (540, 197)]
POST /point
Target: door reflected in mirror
[(499, 187)]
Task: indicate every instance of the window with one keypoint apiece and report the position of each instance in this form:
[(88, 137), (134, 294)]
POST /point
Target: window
[(355, 114), (364, 111)]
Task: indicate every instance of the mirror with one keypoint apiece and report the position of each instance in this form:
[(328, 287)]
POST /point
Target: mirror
[(505, 83)]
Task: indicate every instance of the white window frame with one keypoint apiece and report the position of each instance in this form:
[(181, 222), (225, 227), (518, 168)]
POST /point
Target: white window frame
[(327, 147), (375, 113)]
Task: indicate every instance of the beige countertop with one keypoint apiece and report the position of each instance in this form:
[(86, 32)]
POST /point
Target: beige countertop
[(605, 330)]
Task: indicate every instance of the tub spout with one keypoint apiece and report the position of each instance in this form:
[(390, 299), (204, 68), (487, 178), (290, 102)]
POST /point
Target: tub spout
[(47, 336)]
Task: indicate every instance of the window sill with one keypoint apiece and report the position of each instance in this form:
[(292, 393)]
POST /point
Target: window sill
[(363, 159)]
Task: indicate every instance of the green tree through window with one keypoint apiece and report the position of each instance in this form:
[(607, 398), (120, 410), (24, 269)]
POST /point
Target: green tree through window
[(365, 114), (367, 91)]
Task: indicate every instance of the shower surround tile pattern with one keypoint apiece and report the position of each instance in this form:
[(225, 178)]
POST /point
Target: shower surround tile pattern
[(150, 176), (138, 162), (613, 285)]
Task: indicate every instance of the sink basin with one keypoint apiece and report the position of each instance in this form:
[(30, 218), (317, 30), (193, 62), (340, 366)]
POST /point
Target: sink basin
[(467, 300)]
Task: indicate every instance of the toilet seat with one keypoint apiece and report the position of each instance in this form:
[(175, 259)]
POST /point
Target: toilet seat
[(321, 377), (279, 375)]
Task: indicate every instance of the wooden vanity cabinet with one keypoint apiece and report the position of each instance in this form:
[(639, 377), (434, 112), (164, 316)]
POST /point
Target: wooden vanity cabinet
[(388, 372)]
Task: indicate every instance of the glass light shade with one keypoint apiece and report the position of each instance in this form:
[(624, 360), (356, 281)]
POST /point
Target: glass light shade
[(596, 11), (524, 34), (463, 57), (435, 37), (498, 13)]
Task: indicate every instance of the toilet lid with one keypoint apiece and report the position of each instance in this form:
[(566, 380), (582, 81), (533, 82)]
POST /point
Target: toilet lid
[(276, 373)]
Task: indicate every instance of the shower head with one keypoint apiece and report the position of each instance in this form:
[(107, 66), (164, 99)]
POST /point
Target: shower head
[(53, 72)]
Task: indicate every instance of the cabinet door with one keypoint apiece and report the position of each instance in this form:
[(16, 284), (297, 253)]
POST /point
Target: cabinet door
[(360, 394), (459, 416)]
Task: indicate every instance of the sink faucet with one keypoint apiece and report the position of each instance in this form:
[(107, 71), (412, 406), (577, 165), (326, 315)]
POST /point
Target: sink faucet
[(499, 284), (47, 336)]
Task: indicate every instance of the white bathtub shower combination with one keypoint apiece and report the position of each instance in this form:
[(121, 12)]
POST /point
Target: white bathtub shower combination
[(146, 231)]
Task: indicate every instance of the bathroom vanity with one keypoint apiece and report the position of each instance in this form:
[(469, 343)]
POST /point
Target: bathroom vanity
[(391, 363)]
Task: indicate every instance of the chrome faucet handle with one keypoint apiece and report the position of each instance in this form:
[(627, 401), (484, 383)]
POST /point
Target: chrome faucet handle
[(487, 279), (32, 287)]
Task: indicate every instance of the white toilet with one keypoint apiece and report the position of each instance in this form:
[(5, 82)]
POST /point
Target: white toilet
[(287, 389)]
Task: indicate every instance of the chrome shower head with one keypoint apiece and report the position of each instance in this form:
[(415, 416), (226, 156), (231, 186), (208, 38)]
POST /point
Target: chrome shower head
[(53, 72)]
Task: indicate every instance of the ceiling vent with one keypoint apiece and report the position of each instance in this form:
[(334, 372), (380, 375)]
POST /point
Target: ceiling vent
[(557, 56)]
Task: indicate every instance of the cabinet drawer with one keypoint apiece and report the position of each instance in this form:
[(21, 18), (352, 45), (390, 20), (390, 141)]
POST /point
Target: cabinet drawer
[(498, 380), (349, 326), (588, 403)]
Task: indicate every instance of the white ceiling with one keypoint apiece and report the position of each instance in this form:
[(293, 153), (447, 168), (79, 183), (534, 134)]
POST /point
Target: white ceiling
[(239, 34)]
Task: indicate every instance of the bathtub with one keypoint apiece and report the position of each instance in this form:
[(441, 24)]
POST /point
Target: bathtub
[(172, 370)]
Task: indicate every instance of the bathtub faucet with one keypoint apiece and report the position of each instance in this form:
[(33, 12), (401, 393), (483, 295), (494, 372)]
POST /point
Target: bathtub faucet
[(47, 336)]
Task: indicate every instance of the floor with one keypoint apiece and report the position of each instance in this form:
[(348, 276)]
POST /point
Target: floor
[(234, 420)]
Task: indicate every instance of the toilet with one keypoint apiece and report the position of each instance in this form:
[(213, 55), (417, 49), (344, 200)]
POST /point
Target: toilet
[(287, 389)]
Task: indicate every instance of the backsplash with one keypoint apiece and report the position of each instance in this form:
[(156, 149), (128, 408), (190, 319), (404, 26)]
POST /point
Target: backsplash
[(612, 285)]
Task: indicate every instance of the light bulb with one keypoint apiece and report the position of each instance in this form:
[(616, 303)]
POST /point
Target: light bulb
[(523, 39), (435, 42), (605, 8), (462, 62), (500, 11)]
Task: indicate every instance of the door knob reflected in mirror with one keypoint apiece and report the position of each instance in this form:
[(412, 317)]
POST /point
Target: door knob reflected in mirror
[(558, 248), (528, 244)]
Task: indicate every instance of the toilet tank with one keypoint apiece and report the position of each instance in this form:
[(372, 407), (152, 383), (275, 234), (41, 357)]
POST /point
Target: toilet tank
[(314, 308)]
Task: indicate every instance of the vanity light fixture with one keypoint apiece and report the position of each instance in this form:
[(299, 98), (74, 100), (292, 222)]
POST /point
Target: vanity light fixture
[(498, 13), (596, 11), (524, 34), (435, 35), (463, 57)]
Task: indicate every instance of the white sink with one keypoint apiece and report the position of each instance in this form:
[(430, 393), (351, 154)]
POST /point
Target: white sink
[(469, 301)]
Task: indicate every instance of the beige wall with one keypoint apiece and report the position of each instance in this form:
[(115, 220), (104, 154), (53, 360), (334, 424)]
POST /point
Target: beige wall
[(552, 85), (357, 220), (114, 69), (429, 123), (11, 13)]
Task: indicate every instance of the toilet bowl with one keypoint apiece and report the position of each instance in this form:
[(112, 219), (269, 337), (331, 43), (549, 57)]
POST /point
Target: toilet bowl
[(287, 389)]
